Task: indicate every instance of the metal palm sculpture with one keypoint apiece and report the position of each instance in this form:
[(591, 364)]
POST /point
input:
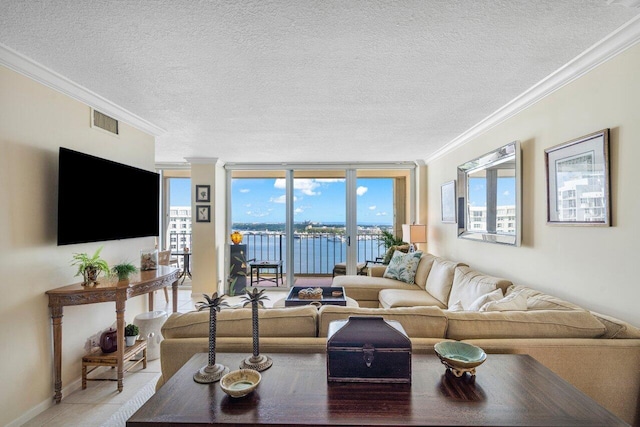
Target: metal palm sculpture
[(257, 361), (213, 371)]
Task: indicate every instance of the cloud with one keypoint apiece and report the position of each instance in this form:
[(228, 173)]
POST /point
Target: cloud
[(281, 199), (298, 211), (506, 193), (256, 214), (361, 190), (307, 186), (372, 208), (244, 190), (382, 214)]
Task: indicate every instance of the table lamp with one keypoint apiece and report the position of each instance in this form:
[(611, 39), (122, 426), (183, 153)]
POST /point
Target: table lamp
[(414, 233)]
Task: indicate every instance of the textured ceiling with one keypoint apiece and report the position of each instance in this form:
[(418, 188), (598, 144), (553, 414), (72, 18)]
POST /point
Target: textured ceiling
[(295, 80)]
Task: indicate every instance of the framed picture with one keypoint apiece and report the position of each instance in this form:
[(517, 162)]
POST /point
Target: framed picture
[(202, 193), (578, 187), (203, 213), (448, 201)]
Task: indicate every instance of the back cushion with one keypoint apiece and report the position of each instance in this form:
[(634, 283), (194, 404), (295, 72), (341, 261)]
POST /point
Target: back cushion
[(426, 262), (523, 324), (440, 279), (273, 322), (418, 322), (537, 300), (469, 285)]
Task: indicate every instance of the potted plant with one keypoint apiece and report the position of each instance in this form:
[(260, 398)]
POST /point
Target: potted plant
[(124, 269), (90, 267), (131, 332)]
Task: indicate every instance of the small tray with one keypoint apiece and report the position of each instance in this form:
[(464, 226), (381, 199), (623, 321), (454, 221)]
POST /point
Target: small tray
[(327, 298)]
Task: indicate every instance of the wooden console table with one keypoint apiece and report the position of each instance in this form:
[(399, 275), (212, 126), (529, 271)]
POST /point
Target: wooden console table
[(509, 389), (144, 282)]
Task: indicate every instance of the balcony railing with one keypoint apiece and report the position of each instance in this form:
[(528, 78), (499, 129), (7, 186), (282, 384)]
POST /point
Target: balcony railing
[(313, 253)]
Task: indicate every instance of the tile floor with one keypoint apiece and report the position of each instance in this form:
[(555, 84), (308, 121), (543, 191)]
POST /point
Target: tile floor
[(100, 404)]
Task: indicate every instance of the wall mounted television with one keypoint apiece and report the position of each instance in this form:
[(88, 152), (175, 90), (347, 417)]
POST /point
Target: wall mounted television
[(100, 200)]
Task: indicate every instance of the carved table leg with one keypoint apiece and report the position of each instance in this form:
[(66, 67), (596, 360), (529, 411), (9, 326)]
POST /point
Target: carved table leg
[(120, 306), (56, 316)]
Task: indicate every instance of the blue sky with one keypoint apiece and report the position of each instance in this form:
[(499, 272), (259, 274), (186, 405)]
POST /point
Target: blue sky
[(478, 191), (316, 200)]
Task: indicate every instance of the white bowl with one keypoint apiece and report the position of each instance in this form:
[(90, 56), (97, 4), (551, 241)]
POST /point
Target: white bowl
[(240, 382), (459, 355)]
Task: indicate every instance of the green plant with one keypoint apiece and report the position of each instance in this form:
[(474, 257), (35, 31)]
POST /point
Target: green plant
[(90, 267), (124, 269), (388, 240), (131, 330)]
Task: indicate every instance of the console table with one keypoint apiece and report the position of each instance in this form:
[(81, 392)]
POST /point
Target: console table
[(266, 265), (144, 282), (509, 389)]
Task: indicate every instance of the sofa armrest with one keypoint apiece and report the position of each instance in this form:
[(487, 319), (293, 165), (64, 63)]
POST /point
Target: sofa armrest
[(377, 270)]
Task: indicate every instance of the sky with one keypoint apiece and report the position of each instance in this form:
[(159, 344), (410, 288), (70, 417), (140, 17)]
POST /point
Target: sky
[(316, 200), (478, 191)]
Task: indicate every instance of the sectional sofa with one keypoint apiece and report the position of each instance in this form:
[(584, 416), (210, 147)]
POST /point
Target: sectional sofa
[(447, 300)]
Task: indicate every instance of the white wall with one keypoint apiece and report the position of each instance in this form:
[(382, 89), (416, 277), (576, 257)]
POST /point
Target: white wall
[(34, 122), (595, 267)]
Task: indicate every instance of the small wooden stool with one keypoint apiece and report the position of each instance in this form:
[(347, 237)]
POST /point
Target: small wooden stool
[(97, 358)]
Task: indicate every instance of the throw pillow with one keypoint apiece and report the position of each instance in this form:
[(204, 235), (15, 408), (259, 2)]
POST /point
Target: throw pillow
[(515, 301), (392, 250), (403, 266), (469, 285), (456, 306), (494, 295)]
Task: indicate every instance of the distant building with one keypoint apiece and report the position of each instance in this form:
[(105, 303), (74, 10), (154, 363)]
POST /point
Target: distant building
[(505, 219), (179, 229)]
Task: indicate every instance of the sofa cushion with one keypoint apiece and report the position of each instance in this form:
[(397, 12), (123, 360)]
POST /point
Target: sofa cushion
[(403, 266), (494, 295), (515, 301), (440, 279), (390, 298), (424, 268), (418, 322), (469, 285), (366, 288), (283, 322), (523, 324)]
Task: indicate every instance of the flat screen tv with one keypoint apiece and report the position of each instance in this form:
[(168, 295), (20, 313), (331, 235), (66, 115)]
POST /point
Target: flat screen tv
[(101, 200)]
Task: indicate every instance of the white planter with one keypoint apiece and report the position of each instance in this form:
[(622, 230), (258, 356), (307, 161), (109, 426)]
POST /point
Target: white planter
[(130, 340)]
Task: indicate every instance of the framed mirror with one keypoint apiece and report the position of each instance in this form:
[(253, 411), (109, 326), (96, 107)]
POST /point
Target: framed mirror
[(490, 197)]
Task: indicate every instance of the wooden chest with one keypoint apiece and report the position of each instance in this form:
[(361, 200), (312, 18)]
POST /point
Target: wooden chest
[(368, 349)]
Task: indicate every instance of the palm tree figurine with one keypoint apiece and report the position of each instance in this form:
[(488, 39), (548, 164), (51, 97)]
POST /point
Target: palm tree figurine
[(213, 371), (257, 362)]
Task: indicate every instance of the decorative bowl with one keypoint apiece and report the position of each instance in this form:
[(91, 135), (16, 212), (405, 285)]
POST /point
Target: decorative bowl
[(460, 357), (240, 382)]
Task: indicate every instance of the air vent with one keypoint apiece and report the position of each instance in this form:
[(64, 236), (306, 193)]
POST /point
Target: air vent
[(105, 122)]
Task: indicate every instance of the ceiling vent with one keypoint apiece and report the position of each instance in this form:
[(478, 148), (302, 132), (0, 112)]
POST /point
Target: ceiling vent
[(104, 122)]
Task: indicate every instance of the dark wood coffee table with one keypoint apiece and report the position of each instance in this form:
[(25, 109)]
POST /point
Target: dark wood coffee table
[(508, 390)]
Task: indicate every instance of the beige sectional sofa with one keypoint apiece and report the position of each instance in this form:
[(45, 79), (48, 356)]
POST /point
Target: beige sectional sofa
[(598, 354)]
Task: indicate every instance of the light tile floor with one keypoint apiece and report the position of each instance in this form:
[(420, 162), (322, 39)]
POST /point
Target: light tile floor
[(97, 404)]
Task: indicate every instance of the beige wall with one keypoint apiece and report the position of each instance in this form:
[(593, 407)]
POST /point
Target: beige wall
[(592, 266), (34, 122)]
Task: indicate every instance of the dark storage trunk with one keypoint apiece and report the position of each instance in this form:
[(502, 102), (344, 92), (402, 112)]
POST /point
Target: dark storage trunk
[(368, 349)]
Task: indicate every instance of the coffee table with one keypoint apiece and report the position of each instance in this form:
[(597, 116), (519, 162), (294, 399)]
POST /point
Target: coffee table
[(508, 390)]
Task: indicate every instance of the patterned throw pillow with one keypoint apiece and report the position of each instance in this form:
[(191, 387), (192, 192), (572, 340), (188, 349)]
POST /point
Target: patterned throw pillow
[(389, 254), (403, 266)]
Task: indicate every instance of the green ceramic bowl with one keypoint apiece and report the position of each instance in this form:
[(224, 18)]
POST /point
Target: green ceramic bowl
[(241, 382), (460, 355)]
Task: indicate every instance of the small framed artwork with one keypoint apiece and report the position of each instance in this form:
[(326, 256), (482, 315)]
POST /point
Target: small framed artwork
[(578, 187), (202, 193), (448, 201), (203, 213)]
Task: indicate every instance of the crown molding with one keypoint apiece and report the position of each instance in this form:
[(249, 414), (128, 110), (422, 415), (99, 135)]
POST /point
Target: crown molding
[(38, 72), (601, 52)]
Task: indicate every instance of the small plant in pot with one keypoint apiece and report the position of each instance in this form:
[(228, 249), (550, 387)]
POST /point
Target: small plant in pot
[(131, 332), (90, 267), (123, 270)]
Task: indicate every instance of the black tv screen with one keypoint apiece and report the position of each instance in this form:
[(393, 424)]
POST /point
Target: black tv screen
[(101, 200)]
